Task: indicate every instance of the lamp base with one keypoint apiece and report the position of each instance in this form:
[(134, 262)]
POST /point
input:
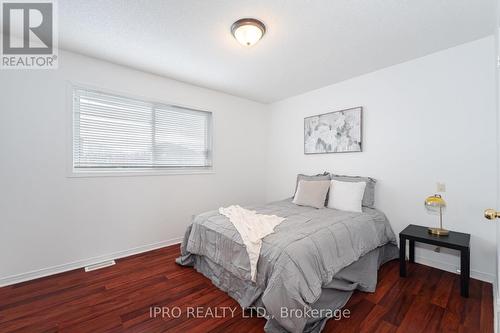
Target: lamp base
[(438, 231)]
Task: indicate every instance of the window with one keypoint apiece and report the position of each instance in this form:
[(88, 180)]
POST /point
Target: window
[(115, 133)]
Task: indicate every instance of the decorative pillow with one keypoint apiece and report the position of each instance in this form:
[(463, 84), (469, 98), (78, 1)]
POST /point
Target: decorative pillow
[(346, 195), (319, 176), (369, 195), (311, 193)]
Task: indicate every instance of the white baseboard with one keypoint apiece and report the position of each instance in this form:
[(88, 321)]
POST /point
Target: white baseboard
[(13, 279), (445, 266)]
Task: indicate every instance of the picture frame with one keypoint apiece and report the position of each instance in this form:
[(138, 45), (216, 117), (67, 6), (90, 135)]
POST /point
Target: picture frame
[(334, 132)]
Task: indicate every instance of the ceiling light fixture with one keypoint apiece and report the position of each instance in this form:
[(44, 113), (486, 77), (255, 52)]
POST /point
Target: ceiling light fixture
[(248, 31)]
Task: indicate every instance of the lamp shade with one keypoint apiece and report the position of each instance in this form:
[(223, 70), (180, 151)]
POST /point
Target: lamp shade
[(435, 204)]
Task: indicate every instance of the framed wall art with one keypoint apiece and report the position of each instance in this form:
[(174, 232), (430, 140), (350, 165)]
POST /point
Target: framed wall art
[(334, 132)]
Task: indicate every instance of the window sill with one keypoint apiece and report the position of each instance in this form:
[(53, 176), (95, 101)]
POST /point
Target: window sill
[(137, 173)]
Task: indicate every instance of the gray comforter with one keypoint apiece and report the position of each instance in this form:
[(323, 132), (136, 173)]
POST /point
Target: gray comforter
[(297, 262)]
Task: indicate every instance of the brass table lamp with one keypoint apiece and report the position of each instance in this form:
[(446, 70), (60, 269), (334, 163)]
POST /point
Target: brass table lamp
[(435, 205)]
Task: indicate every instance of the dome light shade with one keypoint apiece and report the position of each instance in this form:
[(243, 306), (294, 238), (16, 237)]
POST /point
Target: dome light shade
[(248, 31)]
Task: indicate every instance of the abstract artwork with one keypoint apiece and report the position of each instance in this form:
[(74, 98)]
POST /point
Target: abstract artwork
[(334, 132)]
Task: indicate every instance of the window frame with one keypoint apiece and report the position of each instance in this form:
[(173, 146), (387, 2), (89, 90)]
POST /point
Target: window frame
[(73, 172)]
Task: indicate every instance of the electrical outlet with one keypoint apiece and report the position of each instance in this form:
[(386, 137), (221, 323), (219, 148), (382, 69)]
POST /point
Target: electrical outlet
[(441, 187)]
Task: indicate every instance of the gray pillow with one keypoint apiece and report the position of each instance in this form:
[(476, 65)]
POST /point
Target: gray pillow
[(369, 196), (311, 193)]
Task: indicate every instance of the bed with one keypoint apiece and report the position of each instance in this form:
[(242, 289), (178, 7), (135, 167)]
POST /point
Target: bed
[(314, 259)]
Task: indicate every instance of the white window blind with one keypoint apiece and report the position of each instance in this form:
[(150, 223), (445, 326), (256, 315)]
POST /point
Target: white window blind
[(112, 132)]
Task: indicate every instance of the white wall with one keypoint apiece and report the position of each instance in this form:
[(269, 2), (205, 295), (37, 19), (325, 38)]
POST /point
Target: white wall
[(47, 219), (427, 120), (431, 119)]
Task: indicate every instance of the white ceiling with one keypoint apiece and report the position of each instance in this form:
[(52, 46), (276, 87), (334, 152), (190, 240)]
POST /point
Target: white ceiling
[(309, 43)]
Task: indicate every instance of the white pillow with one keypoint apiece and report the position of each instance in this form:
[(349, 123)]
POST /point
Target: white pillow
[(346, 195)]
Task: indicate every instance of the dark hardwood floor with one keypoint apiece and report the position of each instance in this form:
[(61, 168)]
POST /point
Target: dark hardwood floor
[(118, 299)]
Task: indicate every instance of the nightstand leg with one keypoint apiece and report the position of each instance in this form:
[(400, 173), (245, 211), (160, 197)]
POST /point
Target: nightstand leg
[(412, 251), (402, 256), (464, 272)]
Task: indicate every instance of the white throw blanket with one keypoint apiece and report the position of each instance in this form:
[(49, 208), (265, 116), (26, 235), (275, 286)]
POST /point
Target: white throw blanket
[(253, 228)]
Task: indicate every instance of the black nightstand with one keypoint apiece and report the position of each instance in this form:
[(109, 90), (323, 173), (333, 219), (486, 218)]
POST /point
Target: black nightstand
[(455, 240)]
